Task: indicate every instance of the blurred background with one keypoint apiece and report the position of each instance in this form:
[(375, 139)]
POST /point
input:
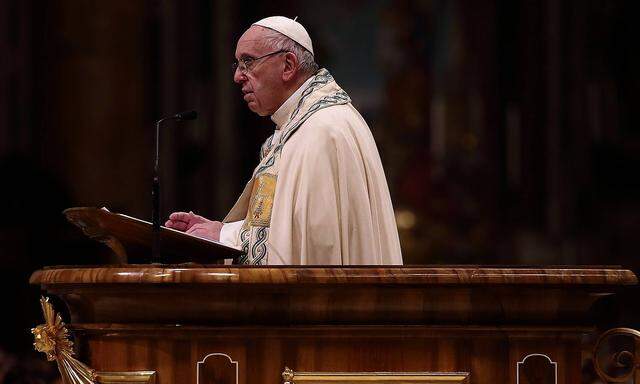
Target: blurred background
[(509, 130)]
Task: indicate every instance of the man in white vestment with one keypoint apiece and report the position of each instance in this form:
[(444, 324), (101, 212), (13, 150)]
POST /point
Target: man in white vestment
[(319, 195)]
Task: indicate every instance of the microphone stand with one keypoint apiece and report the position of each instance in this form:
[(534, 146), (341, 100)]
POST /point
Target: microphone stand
[(155, 198), (156, 257)]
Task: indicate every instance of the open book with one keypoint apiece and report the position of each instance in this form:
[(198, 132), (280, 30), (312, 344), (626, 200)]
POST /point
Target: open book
[(130, 238)]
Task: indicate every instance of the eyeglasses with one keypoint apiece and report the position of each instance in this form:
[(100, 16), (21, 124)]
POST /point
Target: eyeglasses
[(246, 64)]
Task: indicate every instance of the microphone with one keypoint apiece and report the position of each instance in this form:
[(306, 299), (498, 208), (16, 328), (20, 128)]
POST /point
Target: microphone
[(186, 115), (155, 189)]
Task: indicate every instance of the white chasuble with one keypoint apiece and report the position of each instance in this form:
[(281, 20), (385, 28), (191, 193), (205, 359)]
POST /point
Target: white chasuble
[(319, 195)]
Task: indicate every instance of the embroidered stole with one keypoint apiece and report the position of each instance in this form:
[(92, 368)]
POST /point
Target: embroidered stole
[(320, 93)]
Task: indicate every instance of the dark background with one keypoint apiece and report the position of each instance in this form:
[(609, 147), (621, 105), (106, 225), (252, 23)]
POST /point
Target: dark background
[(509, 130)]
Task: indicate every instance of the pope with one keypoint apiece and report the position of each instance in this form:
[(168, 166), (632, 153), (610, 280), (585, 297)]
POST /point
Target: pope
[(319, 194)]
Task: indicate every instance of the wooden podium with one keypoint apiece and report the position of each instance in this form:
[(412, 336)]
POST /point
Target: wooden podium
[(250, 325)]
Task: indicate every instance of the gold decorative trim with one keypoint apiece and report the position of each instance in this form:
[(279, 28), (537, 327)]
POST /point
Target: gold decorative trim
[(291, 377), (52, 339), (140, 377), (262, 200)]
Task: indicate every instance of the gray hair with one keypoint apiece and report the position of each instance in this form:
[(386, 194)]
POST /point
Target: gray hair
[(277, 41)]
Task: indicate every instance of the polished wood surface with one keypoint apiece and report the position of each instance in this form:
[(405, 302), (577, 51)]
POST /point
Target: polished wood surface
[(130, 238), (314, 295), (489, 356), (259, 320), (197, 274)]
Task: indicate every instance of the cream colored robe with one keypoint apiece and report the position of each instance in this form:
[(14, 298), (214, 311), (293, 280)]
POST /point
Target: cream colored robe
[(332, 204)]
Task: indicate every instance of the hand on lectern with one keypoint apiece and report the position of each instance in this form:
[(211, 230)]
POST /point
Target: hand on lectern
[(195, 225)]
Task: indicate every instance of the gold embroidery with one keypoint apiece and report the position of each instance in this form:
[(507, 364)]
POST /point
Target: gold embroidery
[(262, 195)]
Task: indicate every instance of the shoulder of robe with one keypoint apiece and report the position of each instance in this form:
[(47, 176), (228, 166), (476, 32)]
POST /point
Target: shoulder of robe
[(329, 124)]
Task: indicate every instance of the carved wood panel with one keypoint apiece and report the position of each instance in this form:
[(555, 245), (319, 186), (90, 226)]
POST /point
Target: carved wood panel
[(537, 368), (217, 368)]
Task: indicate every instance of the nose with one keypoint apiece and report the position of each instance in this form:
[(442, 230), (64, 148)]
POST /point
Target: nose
[(239, 77)]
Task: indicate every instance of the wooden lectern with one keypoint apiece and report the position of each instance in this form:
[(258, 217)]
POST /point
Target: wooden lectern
[(252, 325)]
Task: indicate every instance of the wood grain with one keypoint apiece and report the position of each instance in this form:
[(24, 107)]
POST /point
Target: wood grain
[(324, 319), (130, 238), (489, 357), (196, 274)]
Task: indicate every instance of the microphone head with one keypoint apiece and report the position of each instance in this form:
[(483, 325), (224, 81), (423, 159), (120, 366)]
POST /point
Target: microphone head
[(186, 115)]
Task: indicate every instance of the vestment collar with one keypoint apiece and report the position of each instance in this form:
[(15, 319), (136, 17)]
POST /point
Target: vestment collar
[(281, 116)]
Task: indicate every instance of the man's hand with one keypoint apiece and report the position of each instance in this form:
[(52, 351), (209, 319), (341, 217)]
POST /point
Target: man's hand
[(195, 225)]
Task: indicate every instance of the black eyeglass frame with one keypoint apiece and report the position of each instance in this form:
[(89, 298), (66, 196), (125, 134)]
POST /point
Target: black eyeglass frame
[(250, 62)]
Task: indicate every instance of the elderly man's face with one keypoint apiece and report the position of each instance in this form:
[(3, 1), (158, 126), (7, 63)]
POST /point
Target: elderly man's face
[(262, 82)]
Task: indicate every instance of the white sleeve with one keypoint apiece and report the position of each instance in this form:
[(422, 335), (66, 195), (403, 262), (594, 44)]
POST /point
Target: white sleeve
[(230, 233)]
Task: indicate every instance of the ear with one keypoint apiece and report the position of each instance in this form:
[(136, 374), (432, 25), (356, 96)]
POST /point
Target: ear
[(290, 66)]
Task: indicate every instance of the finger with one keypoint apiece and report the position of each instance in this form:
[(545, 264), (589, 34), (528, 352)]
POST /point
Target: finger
[(180, 216), (193, 231), (196, 219), (195, 227), (191, 224), (179, 225)]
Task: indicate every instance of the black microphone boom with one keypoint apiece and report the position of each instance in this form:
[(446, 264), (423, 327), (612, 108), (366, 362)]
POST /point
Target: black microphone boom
[(186, 115), (155, 190)]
